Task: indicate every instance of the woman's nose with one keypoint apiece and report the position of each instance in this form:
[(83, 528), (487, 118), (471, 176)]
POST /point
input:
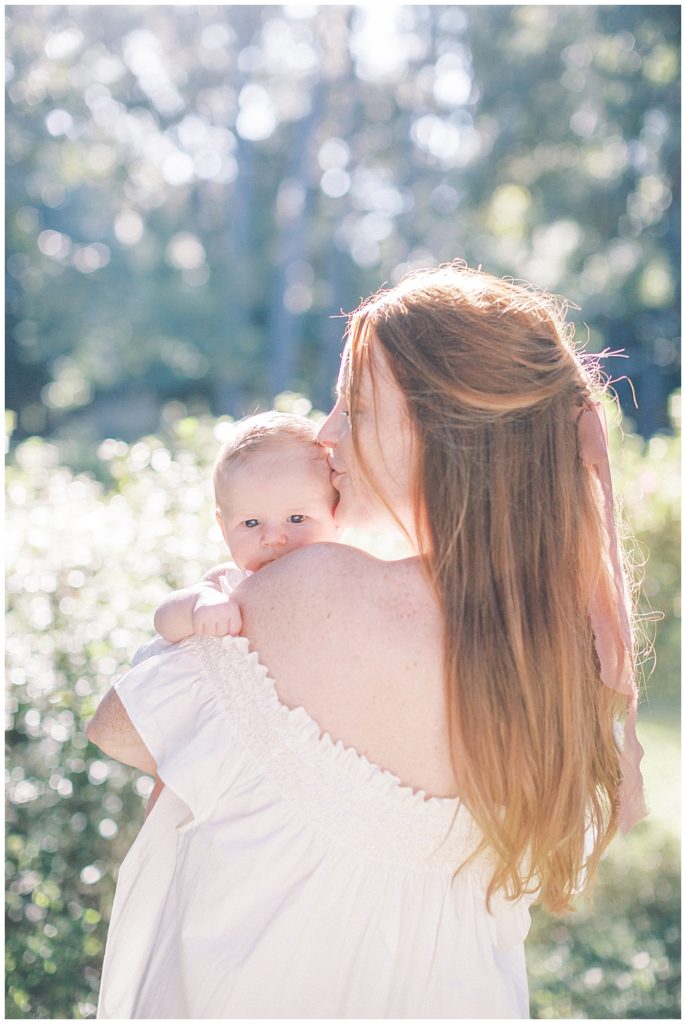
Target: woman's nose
[(327, 435)]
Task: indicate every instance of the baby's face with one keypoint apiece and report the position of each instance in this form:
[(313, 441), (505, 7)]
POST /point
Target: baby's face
[(274, 502)]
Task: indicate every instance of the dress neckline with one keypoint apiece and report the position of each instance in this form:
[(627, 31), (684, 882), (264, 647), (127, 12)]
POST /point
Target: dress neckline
[(349, 754)]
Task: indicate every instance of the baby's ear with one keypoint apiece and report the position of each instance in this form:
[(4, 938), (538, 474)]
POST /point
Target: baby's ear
[(220, 522)]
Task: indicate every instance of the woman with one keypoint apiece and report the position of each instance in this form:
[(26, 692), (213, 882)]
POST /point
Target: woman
[(365, 792)]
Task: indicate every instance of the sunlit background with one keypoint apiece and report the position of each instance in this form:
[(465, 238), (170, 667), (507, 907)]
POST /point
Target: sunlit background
[(195, 195), (195, 192)]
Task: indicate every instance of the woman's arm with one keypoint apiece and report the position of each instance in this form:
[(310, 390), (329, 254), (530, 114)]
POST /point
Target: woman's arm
[(111, 729)]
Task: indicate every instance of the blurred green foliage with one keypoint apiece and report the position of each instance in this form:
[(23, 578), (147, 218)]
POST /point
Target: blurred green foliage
[(90, 556), (195, 192), (621, 958)]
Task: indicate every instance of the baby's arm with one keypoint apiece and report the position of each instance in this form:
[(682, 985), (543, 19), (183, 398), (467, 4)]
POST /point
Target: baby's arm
[(203, 609)]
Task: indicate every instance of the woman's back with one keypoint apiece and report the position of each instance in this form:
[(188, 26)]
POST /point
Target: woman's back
[(357, 642)]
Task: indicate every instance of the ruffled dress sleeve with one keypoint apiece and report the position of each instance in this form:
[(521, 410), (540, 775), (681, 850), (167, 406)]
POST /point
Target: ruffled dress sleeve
[(174, 708), (149, 649)]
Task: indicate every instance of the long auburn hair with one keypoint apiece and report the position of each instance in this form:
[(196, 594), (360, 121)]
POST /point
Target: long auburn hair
[(511, 534)]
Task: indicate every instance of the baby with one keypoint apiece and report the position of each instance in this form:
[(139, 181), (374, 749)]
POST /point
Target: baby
[(273, 494)]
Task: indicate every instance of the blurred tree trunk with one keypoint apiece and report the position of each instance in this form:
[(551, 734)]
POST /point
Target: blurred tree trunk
[(292, 216), (228, 391), (239, 323)]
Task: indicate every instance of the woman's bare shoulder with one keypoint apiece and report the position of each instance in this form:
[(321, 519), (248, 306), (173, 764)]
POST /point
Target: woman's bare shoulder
[(326, 554), (334, 588), (299, 613), (317, 568)]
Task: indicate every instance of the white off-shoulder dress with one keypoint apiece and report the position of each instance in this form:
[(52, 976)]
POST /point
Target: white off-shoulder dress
[(282, 875)]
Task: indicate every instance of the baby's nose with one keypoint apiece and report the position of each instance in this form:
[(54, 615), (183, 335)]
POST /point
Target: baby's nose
[(274, 535)]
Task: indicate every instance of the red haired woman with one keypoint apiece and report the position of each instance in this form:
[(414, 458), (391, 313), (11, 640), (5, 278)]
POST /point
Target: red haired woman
[(365, 791)]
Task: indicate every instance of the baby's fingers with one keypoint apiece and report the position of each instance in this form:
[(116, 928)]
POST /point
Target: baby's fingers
[(216, 627), (208, 622)]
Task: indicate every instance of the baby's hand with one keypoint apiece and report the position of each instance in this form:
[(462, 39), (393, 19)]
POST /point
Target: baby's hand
[(215, 614)]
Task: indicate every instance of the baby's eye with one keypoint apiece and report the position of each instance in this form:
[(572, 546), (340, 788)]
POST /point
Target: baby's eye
[(251, 523), (297, 519)]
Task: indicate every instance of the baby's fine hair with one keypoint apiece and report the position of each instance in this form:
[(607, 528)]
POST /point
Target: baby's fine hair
[(265, 431)]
